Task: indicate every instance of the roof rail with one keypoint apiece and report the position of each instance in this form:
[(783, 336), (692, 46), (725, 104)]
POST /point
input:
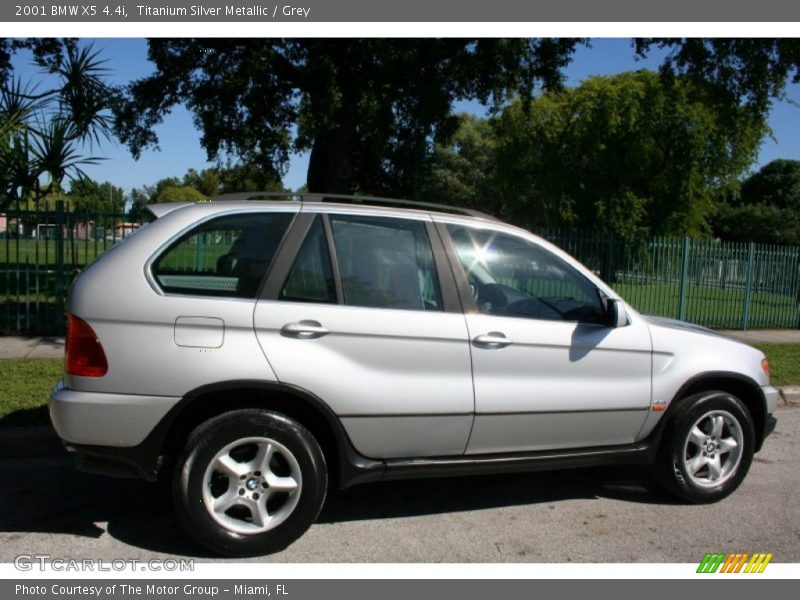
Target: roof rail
[(350, 199)]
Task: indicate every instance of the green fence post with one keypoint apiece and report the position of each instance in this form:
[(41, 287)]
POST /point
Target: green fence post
[(609, 266), (682, 284), (748, 287), (59, 316)]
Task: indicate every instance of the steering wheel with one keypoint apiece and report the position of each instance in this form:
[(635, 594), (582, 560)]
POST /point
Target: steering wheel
[(491, 294)]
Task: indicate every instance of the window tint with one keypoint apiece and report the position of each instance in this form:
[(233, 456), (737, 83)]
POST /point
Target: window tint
[(386, 263), (227, 256), (311, 276), (513, 277)]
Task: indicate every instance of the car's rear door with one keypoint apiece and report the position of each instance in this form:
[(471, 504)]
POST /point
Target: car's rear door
[(361, 311)]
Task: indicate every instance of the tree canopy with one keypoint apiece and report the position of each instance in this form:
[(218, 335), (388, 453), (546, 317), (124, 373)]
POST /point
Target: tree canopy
[(91, 195), (183, 193), (766, 209), (749, 72), (631, 153), (196, 186), (47, 53), (43, 133), (365, 108)]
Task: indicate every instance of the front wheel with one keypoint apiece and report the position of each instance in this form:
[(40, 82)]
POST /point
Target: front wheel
[(707, 447), (249, 482)]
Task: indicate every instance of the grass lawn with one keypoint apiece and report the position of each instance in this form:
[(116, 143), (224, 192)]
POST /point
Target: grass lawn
[(25, 384), (43, 252), (784, 363), (713, 307), (24, 387)]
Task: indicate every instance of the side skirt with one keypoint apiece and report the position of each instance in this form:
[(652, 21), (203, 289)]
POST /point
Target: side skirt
[(641, 453)]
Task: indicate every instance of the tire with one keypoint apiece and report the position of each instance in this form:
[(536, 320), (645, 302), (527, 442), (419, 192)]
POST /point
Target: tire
[(707, 447), (249, 482)]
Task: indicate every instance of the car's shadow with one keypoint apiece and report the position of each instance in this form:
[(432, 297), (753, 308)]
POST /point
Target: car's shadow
[(54, 498)]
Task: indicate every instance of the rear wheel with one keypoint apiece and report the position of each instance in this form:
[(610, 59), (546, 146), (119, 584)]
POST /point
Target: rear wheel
[(249, 482), (707, 448)]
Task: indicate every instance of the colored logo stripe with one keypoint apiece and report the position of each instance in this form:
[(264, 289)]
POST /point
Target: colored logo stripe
[(734, 563), (758, 563), (711, 562)]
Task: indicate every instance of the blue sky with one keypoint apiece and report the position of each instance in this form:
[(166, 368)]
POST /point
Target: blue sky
[(180, 142)]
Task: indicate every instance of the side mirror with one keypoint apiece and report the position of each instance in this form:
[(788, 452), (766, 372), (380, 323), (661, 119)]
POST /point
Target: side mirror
[(615, 313)]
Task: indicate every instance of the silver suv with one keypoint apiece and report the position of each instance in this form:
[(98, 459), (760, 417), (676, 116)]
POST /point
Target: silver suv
[(256, 352)]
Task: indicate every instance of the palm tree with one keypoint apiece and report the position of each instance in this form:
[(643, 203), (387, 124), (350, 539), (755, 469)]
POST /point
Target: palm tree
[(42, 134)]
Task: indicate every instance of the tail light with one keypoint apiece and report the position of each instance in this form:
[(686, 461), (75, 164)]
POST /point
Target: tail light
[(84, 355)]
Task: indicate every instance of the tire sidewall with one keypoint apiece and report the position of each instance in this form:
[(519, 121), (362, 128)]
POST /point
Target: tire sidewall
[(202, 447), (687, 415)]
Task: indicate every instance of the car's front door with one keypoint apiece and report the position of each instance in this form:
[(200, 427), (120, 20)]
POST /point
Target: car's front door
[(548, 373), (364, 314)]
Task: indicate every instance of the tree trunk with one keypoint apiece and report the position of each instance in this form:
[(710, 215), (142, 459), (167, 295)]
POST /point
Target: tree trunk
[(330, 168)]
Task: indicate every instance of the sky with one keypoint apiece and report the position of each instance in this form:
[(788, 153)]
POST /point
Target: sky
[(179, 140)]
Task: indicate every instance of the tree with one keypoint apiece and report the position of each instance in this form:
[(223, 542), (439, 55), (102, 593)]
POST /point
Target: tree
[(749, 72), (632, 153), (182, 193), (42, 133), (761, 223), (47, 53), (463, 168), (776, 183), (767, 209), (230, 179), (365, 108), (207, 183), (89, 195)]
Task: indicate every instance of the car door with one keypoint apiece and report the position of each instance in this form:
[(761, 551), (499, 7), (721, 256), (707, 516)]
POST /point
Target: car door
[(362, 311), (548, 372)]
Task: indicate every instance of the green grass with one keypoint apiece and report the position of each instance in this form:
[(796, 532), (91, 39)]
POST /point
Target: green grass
[(784, 363), (713, 307), (43, 252), (24, 387), (26, 383)]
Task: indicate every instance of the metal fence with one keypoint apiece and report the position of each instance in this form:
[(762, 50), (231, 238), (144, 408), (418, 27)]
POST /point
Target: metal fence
[(713, 283), (718, 284), (41, 252)]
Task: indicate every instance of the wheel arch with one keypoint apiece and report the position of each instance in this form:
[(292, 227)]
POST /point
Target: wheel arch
[(346, 466), (736, 384)]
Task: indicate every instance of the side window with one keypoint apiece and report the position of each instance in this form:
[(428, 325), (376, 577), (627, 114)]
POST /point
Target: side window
[(311, 277), (227, 256), (386, 263), (513, 277)]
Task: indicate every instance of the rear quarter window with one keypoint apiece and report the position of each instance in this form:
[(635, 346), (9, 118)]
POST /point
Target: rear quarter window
[(227, 256)]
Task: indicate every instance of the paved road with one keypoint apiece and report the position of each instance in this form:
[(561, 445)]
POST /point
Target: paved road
[(583, 515)]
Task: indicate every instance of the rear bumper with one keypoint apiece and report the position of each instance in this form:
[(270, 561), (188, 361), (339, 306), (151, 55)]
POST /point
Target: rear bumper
[(101, 419), (143, 461)]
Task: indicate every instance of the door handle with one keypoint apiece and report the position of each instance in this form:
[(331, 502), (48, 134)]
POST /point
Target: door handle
[(493, 339), (304, 330)]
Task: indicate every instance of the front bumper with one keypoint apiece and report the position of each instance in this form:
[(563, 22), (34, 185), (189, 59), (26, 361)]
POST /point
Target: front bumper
[(772, 398), (102, 419)]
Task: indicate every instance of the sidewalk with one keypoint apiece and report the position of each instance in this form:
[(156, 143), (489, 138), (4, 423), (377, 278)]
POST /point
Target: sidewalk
[(31, 347), (53, 347), (765, 336)]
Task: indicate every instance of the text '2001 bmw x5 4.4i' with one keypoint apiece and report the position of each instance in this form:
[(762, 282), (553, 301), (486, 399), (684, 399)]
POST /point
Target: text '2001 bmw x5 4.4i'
[(258, 351)]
